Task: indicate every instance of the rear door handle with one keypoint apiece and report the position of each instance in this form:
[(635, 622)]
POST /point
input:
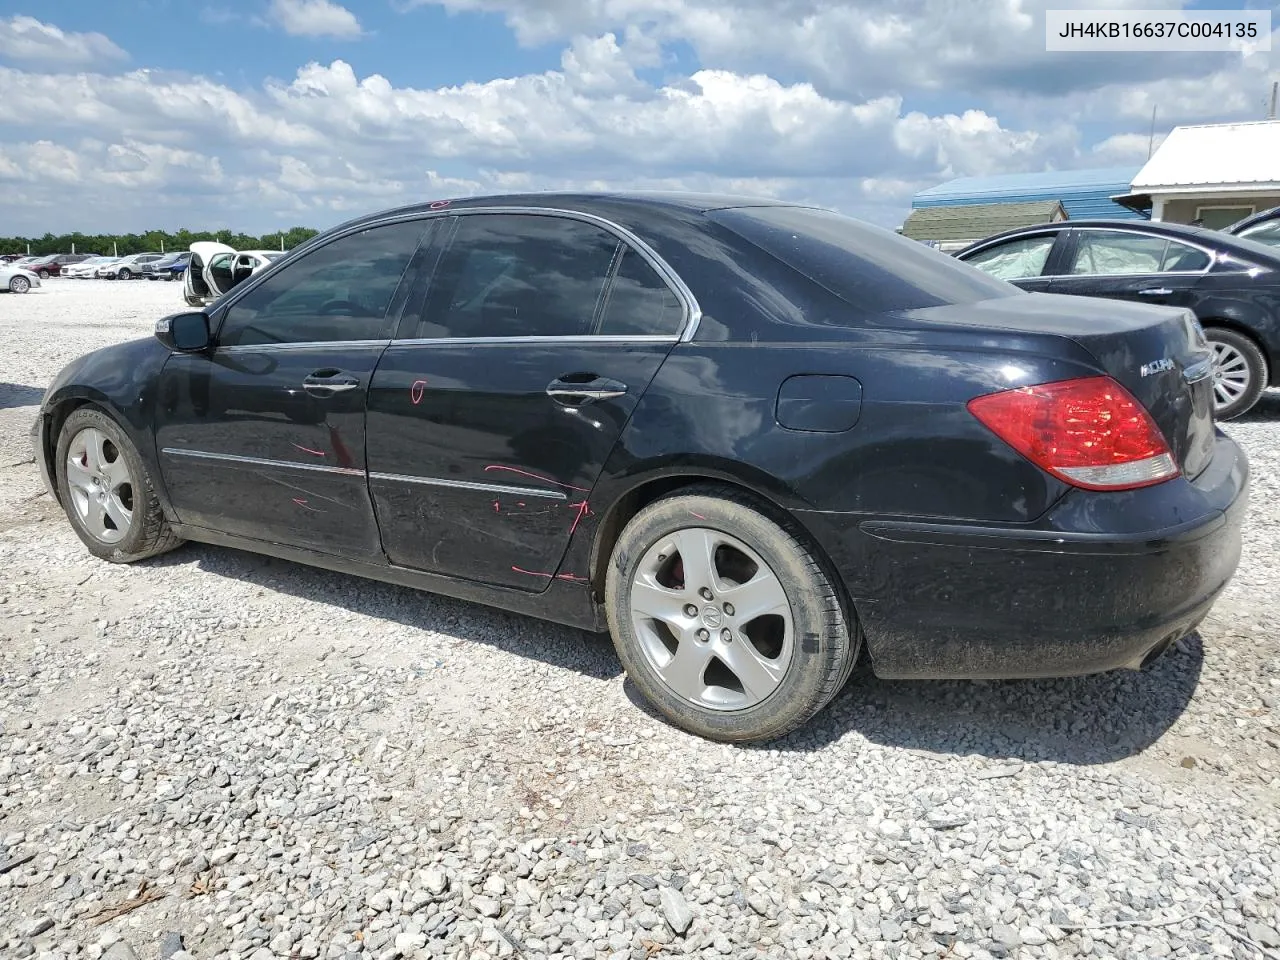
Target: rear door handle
[(1155, 292), (325, 383), (580, 388)]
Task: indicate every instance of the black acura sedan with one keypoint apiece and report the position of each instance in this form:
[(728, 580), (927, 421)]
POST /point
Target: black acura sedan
[(745, 437), (1231, 283)]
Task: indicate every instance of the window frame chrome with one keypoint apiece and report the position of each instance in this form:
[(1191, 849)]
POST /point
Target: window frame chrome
[(692, 311)]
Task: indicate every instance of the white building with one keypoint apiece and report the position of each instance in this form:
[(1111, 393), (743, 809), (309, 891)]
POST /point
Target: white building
[(1212, 173)]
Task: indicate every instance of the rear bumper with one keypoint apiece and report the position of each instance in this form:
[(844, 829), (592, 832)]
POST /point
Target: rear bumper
[(1102, 581)]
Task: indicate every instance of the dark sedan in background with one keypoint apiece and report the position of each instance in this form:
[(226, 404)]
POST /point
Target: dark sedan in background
[(1263, 227), (1231, 283), (744, 436), (169, 267)]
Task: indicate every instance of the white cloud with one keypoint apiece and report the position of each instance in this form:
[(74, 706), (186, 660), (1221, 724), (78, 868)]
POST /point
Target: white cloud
[(315, 18), (30, 41)]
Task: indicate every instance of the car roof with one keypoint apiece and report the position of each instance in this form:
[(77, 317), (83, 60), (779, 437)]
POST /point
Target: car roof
[(1262, 216), (599, 203), (1203, 236)]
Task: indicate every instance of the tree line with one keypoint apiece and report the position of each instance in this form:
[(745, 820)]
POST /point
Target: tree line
[(153, 241)]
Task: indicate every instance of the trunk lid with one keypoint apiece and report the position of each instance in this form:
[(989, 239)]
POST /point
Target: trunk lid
[(1158, 354)]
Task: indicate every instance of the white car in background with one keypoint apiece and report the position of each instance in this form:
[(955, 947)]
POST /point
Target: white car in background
[(17, 279), (215, 268), (85, 269)]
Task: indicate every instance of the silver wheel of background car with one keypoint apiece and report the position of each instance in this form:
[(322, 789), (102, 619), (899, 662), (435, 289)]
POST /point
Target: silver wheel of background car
[(712, 619), (1231, 375), (101, 487), (19, 285), (125, 274)]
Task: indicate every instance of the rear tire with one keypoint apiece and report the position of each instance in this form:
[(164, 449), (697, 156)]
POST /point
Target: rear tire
[(107, 492), (1240, 372), (730, 674)]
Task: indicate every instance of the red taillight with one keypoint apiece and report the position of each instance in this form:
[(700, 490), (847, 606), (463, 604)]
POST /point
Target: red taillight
[(1089, 432)]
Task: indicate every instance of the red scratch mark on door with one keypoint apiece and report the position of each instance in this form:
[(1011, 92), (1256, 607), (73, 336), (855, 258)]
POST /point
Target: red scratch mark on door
[(314, 453), (344, 455), (534, 476), (519, 503), (571, 577), (415, 391), (304, 505), (584, 510), (496, 508)]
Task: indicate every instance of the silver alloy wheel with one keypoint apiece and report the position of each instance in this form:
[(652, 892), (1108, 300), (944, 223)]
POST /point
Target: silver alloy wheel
[(712, 619), (100, 485), (1231, 374), (19, 284)]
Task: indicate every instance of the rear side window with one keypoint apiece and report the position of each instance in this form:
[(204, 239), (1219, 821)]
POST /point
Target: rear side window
[(870, 267), (1120, 253), (519, 275)]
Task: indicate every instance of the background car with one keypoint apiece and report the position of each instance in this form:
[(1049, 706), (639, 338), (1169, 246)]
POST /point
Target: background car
[(126, 268), (215, 268), (16, 279), (1231, 283), (86, 269), (168, 267), (54, 264), (745, 436), (1262, 227)]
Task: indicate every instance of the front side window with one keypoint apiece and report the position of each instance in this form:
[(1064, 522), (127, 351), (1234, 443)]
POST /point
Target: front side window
[(340, 291), (1015, 259), (1107, 253), (519, 275)]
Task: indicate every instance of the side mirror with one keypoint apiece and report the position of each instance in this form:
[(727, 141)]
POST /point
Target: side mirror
[(184, 332)]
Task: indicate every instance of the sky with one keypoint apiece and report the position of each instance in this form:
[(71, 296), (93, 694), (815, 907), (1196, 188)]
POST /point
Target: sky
[(257, 115)]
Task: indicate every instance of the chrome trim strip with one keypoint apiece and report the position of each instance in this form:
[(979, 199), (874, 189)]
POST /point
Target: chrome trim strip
[(260, 462), (302, 345), (573, 338), (471, 485)]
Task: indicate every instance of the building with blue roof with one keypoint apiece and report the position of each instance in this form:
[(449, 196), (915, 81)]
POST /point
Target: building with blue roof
[(957, 212)]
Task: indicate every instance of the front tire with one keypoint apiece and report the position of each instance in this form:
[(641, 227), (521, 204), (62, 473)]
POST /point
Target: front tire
[(1240, 372), (107, 492), (19, 284), (43, 274), (725, 620), (125, 274)]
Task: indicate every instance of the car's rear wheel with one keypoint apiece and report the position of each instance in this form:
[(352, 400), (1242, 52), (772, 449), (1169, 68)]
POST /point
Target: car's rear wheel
[(1239, 373), (725, 620), (106, 490), (125, 273), (19, 284)]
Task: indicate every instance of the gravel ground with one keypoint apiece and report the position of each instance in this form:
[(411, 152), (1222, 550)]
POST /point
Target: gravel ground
[(242, 758)]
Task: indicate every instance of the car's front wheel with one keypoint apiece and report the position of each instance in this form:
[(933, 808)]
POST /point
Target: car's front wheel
[(19, 284), (1239, 372), (106, 490), (43, 274), (725, 619), (125, 274)]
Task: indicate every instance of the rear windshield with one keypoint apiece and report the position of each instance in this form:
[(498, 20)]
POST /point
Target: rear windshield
[(868, 266)]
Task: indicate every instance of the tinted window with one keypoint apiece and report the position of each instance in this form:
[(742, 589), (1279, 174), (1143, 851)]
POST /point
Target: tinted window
[(1014, 259), (1108, 253), (519, 275), (639, 302), (868, 266), (338, 292)]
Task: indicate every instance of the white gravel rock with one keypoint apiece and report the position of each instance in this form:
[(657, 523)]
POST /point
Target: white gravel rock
[(272, 760)]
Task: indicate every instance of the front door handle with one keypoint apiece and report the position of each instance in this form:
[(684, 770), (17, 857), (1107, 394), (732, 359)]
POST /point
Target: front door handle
[(578, 388), (325, 383), (1155, 292)]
